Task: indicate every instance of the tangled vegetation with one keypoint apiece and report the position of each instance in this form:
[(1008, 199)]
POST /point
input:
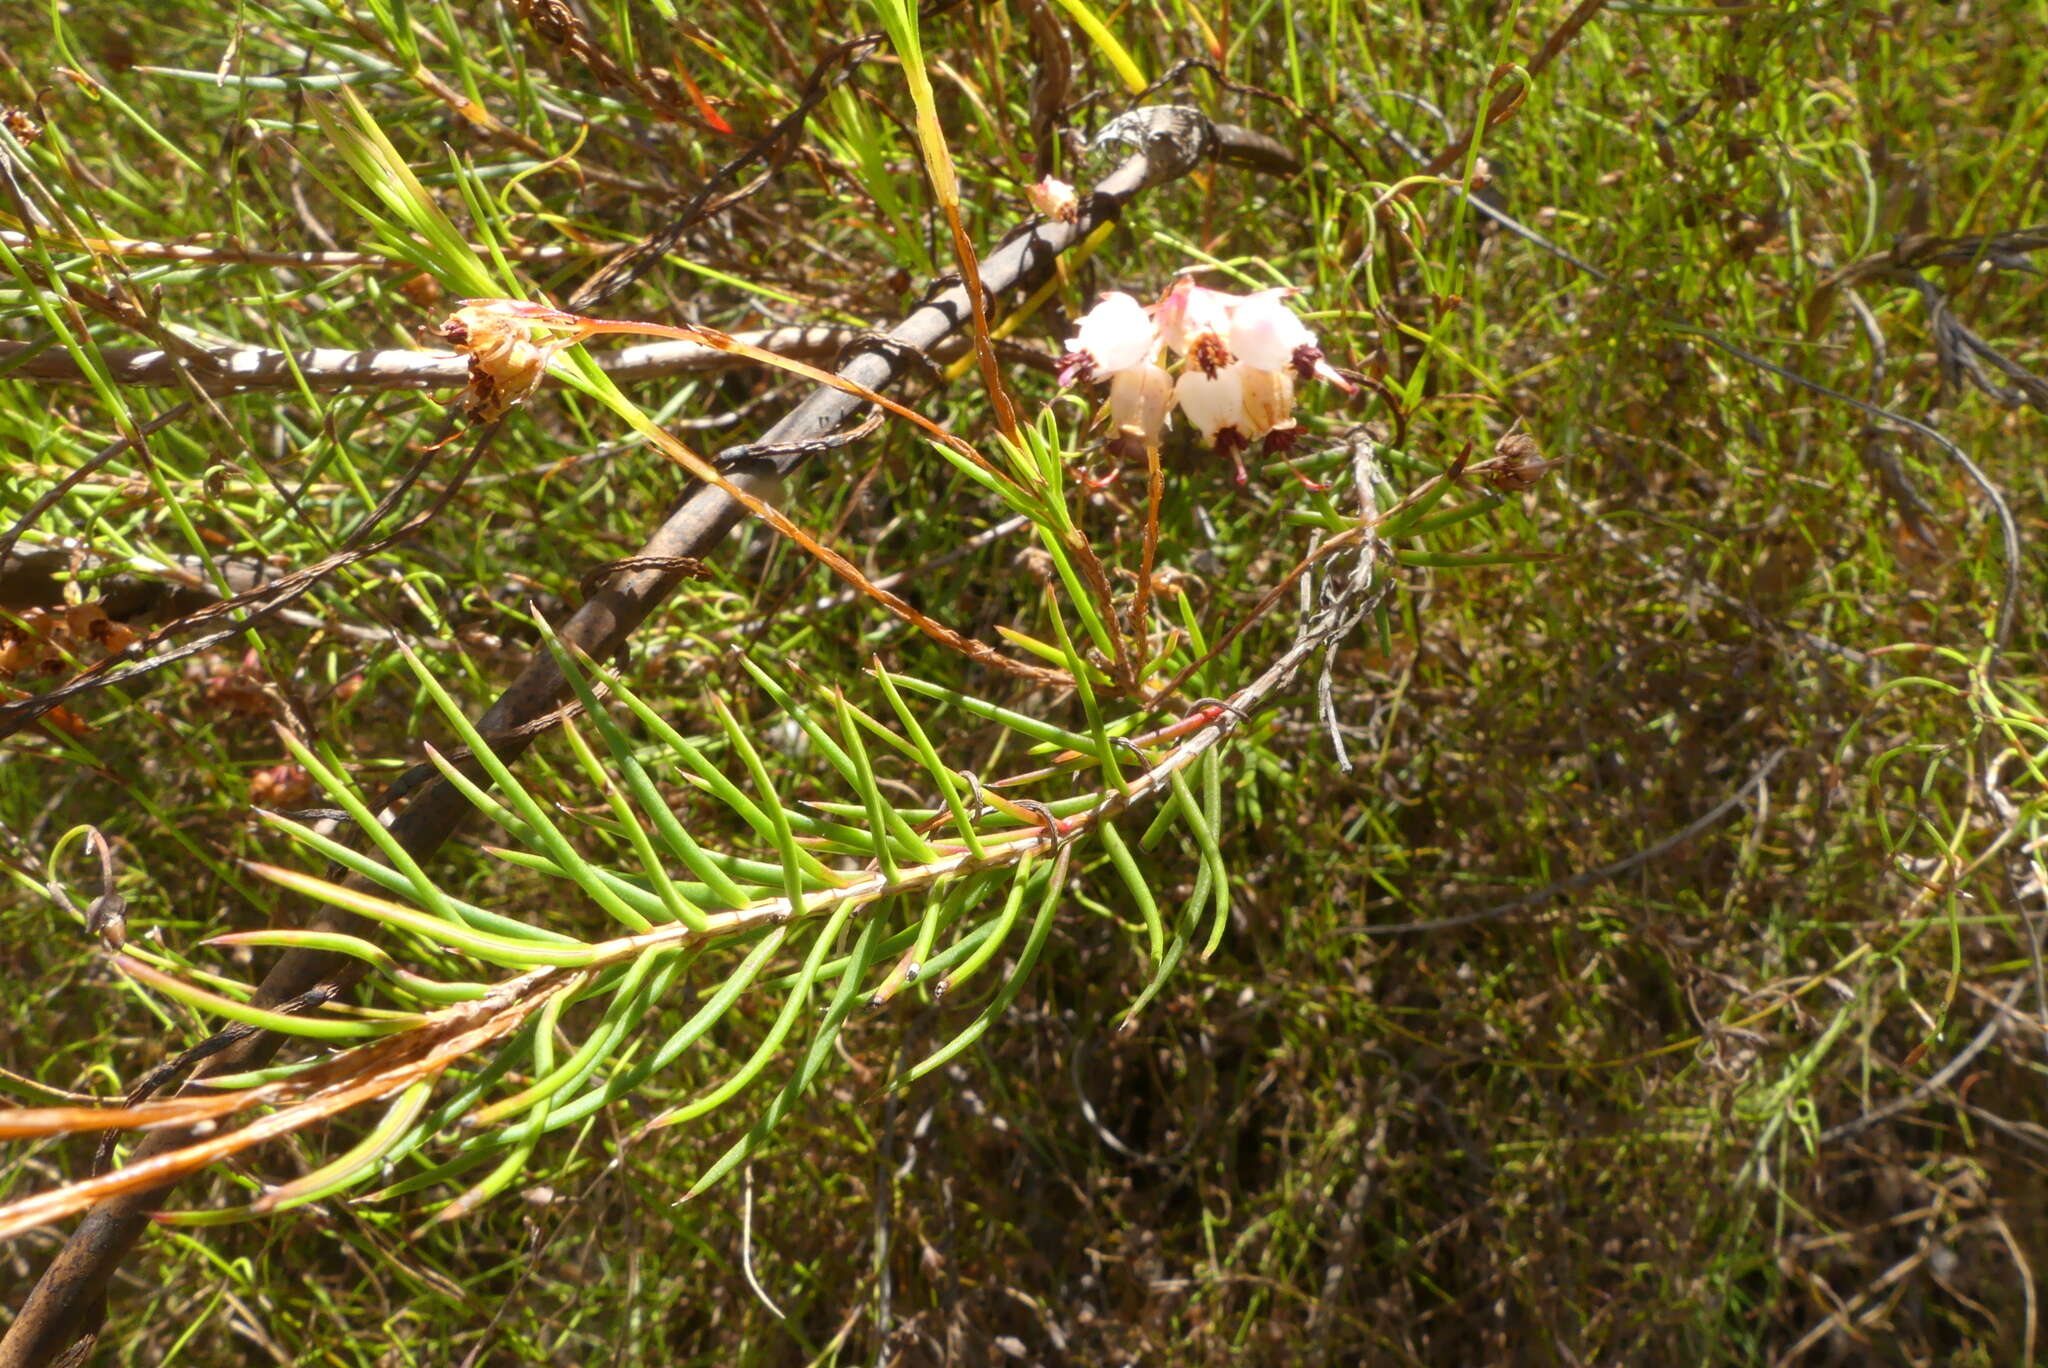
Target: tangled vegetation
[(602, 762)]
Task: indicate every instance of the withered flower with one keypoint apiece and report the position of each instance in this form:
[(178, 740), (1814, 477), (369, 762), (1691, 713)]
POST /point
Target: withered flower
[(505, 363)]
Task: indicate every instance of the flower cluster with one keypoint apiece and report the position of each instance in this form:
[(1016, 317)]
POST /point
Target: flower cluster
[(1241, 357)]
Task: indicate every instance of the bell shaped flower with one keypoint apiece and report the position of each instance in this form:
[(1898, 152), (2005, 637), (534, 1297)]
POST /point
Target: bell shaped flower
[(1140, 402), (1267, 335), (1195, 322), (1242, 357), (1269, 406), (1215, 405), (1112, 337)]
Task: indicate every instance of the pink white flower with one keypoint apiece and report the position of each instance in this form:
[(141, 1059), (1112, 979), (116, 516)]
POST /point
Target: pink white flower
[(1195, 322), (1115, 335), (1241, 358), (1140, 402), (1215, 404), (1270, 336)]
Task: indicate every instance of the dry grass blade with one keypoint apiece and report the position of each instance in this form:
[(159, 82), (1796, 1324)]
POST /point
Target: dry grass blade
[(325, 1090)]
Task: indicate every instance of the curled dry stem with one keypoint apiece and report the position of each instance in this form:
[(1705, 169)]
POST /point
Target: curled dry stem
[(327, 1089)]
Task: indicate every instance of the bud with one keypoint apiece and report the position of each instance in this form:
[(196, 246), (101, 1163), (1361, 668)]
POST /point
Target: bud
[(1054, 199)]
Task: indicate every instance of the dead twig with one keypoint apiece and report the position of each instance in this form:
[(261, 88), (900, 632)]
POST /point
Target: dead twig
[(257, 605), (210, 253), (236, 369)]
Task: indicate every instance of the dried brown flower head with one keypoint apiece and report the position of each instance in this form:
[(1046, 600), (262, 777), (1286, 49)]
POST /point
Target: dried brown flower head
[(18, 122), (1517, 463), (505, 363)]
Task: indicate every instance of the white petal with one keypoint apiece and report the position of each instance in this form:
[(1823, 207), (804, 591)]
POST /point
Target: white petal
[(1139, 401), (1190, 311), (1268, 400), (1116, 334), (1213, 403), (1265, 333)]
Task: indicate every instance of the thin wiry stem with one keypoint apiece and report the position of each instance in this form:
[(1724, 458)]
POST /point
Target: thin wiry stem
[(1141, 602)]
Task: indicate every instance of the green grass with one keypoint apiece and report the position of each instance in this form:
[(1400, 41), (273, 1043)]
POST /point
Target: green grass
[(1607, 1127)]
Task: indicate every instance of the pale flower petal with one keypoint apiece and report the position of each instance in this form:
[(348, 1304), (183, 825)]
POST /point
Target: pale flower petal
[(1114, 336), (1140, 400), (1214, 403), (1265, 333), (1268, 400), (1191, 314)]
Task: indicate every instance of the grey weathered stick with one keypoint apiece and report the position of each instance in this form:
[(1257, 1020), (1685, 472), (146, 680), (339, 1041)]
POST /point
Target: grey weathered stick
[(69, 1303), (226, 252), (233, 369)]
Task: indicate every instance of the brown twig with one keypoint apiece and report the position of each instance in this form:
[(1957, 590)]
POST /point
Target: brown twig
[(83, 470), (484, 121), (578, 328), (775, 146), (1141, 601), (257, 604)]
